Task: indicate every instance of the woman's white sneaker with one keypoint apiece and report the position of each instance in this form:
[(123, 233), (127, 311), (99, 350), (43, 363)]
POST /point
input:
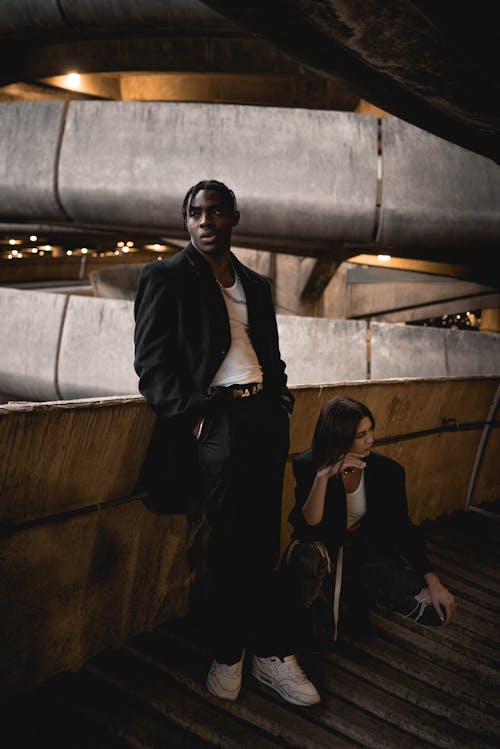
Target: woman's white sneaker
[(224, 680), (286, 677)]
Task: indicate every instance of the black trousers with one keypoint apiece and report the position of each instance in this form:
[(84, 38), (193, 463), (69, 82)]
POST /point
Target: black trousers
[(242, 452), (373, 579)]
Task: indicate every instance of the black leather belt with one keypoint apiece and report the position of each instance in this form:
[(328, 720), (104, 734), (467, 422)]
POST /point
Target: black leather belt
[(238, 391)]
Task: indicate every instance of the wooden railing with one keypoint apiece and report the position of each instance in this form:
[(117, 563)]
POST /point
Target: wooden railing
[(85, 565)]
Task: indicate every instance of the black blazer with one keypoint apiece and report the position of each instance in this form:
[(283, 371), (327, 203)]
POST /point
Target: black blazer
[(182, 335), (386, 525)]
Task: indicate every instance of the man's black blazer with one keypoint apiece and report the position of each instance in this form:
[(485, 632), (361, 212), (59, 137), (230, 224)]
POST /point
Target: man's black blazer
[(182, 335)]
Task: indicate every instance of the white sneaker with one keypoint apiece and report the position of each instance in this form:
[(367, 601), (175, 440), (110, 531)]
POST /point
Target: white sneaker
[(287, 678), (224, 681)]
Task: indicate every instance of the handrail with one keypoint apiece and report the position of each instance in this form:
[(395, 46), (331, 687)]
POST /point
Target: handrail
[(480, 448)]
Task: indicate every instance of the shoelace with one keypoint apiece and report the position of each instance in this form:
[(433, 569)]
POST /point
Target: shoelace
[(422, 603), (421, 606)]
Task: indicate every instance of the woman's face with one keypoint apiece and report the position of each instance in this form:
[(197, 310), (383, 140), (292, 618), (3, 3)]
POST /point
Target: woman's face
[(363, 441)]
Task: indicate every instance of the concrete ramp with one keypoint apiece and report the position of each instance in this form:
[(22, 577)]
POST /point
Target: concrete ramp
[(318, 350), (97, 349), (30, 331), (416, 351)]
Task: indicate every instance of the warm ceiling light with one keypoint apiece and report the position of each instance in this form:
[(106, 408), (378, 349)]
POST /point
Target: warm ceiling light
[(48, 247), (12, 241), (383, 258), (84, 250), (33, 238), (73, 80), (130, 244)]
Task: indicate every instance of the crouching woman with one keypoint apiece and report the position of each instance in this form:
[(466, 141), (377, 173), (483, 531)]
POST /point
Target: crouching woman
[(354, 547)]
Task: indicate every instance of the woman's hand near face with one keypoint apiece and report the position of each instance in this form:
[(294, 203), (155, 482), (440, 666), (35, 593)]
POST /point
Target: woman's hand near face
[(348, 463), (314, 505), (331, 470)]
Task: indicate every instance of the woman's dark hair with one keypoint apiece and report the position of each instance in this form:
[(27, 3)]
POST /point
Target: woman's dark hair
[(336, 429), (228, 196)]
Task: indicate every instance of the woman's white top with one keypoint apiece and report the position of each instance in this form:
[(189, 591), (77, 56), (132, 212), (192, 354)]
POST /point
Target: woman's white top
[(356, 502)]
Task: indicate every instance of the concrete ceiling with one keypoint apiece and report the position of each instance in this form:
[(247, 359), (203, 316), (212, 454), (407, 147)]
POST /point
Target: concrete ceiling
[(435, 65)]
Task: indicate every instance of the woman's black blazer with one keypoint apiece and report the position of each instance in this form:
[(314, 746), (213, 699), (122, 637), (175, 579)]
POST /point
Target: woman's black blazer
[(386, 524)]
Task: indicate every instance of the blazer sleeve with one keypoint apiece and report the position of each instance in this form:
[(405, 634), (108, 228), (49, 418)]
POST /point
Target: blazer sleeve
[(304, 472), (163, 380), (409, 539)]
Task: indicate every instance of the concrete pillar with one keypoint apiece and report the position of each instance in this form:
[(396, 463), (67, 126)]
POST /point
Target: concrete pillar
[(490, 320)]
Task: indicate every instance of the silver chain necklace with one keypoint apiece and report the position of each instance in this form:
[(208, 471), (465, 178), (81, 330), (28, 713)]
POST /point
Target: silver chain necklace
[(228, 293)]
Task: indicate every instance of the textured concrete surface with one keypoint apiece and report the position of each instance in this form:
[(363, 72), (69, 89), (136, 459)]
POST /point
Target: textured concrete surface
[(87, 349), (32, 15), (408, 57), (132, 163), (435, 190), (319, 351), (318, 185), (415, 351), (97, 349), (30, 330), (29, 142)]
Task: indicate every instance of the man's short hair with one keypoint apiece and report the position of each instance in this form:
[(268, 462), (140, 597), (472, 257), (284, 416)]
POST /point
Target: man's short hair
[(228, 196)]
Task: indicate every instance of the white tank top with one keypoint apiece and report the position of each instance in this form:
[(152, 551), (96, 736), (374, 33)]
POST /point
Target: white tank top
[(241, 364), (356, 502)]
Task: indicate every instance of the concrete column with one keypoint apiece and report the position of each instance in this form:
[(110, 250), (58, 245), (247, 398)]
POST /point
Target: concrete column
[(490, 320)]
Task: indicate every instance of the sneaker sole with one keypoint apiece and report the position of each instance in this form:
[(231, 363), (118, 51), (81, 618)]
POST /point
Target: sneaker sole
[(286, 695)]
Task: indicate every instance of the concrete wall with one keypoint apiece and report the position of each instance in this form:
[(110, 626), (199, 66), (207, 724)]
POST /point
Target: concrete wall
[(415, 351), (109, 568), (319, 351), (30, 330), (55, 347), (97, 348)]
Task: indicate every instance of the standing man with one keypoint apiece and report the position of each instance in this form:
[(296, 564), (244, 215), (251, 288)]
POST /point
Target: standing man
[(208, 361)]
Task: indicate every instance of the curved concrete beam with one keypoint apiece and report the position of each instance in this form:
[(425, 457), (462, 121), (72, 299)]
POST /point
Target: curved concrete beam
[(30, 134), (43, 38), (307, 181), (413, 58), (135, 161), (435, 194), (27, 16)]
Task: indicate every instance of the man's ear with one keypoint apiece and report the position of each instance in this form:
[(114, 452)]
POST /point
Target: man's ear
[(236, 218)]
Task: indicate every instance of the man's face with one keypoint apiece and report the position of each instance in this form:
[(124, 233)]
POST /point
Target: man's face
[(210, 222)]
